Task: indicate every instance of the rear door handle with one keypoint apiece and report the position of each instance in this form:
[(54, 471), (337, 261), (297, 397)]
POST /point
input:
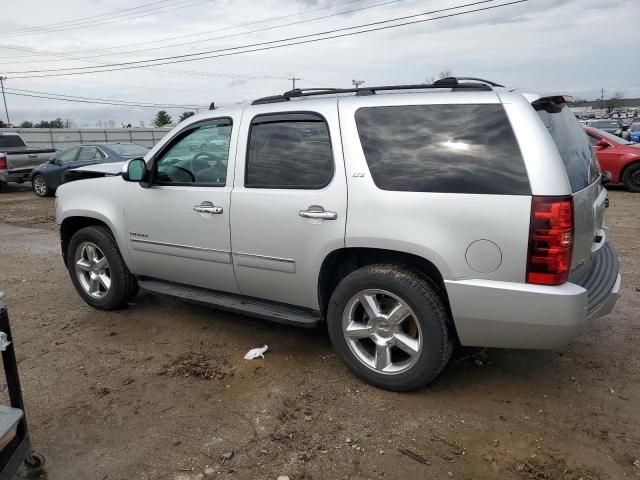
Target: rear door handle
[(316, 211), (207, 207)]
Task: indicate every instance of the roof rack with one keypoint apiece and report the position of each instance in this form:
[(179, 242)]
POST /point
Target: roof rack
[(449, 82)]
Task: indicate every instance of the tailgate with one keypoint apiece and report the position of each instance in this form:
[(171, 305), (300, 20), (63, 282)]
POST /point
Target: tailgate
[(590, 236)]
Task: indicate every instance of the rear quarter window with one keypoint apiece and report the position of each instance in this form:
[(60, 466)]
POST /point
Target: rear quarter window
[(572, 143), (442, 148)]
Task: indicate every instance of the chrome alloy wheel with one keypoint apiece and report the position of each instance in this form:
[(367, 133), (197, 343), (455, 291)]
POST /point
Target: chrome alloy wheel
[(382, 331), (92, 269), (40, 186)]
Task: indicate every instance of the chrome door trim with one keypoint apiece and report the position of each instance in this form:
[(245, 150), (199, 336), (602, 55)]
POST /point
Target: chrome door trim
[(179, 250), (265, 262)]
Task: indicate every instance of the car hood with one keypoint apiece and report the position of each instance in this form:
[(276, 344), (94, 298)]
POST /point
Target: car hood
[(113, 168)]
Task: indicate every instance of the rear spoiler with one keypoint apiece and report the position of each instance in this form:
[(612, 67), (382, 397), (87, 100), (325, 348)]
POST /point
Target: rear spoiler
[(550, 103)]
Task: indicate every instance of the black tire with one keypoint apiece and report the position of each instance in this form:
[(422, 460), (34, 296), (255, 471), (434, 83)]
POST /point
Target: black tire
[(631, 178), (124, 286), (43, 190), (3, 187), (424, 300)]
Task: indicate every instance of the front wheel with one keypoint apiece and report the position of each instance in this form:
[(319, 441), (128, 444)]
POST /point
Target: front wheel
[(39, 186), (97, 269), (631, 178), (389, 326)]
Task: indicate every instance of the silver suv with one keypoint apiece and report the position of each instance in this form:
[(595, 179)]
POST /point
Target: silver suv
[(405, 218)]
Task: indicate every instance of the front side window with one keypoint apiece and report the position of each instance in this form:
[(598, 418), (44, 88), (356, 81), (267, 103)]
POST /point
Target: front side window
[(290, 150), (68, 155), (442, 148), (198, 156)]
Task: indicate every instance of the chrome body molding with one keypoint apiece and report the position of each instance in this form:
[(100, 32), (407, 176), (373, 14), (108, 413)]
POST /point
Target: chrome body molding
[(265, 262), (179, 250)]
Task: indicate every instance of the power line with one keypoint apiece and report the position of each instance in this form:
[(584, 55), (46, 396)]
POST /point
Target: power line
[(230, 27), (66, 58), (184, 107), (151, 104), (296, 40), (90, 23), (86, 18)]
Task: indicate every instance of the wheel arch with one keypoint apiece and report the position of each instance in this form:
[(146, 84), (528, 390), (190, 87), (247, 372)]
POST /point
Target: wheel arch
[(71, 225), (341, 262), (630, 164)]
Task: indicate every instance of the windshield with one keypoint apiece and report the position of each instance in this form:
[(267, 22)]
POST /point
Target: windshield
[(129, 149), (10, 141), (613, 138), (635, 127), (605, 124)]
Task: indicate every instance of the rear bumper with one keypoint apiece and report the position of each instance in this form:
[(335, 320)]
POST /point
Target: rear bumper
[(15, 176), (517, 315)]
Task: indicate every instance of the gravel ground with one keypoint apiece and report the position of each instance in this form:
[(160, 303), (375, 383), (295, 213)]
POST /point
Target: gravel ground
[(160, 390)]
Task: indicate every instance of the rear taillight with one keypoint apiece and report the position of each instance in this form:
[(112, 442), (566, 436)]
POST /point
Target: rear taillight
[(550, 240), (3, 161)]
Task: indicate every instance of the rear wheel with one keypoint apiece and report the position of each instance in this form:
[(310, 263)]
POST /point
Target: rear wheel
[(98, 271), (39, 186), (631, 178), (389, 326)]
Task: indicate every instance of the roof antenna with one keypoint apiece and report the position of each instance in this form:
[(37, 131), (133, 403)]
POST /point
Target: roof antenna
[(212, 106)]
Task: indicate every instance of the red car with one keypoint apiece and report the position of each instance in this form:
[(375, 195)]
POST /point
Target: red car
[(618, 156)]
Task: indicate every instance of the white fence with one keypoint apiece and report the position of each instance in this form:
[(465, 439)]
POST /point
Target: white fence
[(61, 138)]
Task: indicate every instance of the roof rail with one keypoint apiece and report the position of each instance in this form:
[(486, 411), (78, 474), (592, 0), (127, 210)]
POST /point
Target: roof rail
[(449, 82)]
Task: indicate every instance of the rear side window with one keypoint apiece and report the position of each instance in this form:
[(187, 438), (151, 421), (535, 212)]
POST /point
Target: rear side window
[(442, 148), (10, 141), (572, 143), (289, 151)]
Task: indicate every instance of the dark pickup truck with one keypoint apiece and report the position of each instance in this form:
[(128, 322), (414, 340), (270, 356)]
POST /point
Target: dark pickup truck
[(17, 159)]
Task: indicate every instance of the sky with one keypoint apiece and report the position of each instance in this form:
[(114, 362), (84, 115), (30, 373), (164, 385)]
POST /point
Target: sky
[(573, 46)]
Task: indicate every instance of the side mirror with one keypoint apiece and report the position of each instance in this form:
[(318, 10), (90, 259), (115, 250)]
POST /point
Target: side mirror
[(135, 171), (52, 160), (602, 144)]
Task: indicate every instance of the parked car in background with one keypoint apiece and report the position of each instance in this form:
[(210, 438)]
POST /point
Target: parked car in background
[(17, 159), (46, 178), (610, 126), (618, 156), (633, 134)]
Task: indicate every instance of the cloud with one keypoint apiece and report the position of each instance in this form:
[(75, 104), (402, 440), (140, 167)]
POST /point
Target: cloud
[(540, 44)]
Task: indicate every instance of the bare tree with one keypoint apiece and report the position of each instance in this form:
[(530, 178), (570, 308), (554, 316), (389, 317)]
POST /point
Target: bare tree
[(613, 100), (440, 76)]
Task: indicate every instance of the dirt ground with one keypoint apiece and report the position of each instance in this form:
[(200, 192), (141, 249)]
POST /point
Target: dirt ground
[(160, 390)]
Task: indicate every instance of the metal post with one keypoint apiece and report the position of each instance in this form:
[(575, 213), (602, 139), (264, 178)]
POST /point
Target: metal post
[(2, 79)]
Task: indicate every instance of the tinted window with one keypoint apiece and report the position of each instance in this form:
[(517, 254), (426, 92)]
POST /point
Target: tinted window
[(289, 151), (68, 155), (89, 153), (572, 143), (10, 141), (198, 156), (442, 148)]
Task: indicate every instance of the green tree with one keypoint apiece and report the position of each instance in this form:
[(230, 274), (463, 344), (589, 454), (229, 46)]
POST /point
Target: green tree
[(162, 119), (185, 115), (26, 124)]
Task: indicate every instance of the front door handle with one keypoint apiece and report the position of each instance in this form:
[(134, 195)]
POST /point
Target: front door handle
[(316, 211), (207, 207)]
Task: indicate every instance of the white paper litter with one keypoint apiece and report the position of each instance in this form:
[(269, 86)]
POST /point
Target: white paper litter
[(255, 353), (4, 342)]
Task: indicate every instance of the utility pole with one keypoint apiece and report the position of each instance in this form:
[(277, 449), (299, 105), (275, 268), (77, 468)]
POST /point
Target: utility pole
[(357, 83), (293, 79), (602, 97), (2, 79)]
